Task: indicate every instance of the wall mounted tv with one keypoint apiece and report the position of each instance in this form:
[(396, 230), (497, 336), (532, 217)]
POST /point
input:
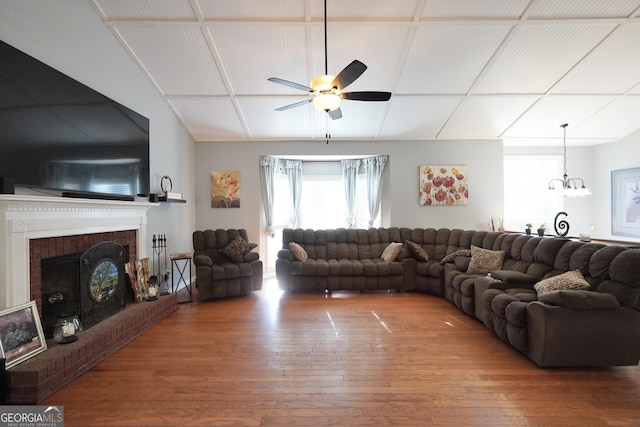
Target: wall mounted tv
[(58, 134)]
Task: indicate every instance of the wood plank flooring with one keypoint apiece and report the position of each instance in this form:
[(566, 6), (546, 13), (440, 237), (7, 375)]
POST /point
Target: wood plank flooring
[(350, 359)]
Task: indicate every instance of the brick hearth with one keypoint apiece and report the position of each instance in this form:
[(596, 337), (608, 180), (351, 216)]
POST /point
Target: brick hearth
[(35, 379)]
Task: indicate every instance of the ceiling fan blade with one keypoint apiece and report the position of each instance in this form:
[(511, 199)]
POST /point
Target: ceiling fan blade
[(290, 84), (349, 74), (335, 114), (366, 96), (294, 105)]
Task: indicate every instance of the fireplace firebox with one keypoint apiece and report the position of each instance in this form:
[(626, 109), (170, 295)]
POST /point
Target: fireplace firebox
[(91, 284)]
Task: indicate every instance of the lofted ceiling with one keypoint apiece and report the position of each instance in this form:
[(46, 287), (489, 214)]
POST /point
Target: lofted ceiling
[(458, 69)]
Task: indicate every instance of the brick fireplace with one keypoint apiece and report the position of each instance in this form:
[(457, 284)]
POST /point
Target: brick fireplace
[(51, 247), (34, 228)]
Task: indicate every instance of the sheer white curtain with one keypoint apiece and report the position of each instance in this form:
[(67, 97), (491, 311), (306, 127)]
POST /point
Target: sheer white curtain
[(373, 168), (350, 178), (294, 174), (268, 167)]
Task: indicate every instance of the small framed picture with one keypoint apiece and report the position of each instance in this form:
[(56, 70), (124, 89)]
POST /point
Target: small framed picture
[(21, 335)]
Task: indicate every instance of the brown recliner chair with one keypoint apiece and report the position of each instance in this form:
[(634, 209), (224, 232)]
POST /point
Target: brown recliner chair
[(225, 265)]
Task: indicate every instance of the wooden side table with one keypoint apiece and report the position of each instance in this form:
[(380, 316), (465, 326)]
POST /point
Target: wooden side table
[(179, 262)]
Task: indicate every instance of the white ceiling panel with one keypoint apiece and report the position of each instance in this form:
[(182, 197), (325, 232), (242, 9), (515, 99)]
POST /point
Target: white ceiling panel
[(266, 123), (472, 69), (485, 117), (582, 8), (539, 55), (365, 10), (177, 59), (251, 54), (544, 118), (611, 68), (252, 9), (635, 90), (489, 9), (446, 59), (197, 114), (616, 120), (175, 10), (418, 117)]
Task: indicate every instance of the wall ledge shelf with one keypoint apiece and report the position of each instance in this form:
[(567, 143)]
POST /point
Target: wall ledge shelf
[(169, 200)]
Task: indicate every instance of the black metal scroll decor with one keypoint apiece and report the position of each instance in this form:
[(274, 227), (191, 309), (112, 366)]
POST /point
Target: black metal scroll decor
[(560, 225)]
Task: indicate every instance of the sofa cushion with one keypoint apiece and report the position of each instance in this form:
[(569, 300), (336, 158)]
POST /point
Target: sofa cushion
[(571, 280), (580, 300), (237, 248), (298, 252), (453, 255), (484, 260), (391, 252), (417, 251)]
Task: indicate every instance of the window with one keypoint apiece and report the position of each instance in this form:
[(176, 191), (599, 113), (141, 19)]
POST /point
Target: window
[(322, 204), (527, 198)]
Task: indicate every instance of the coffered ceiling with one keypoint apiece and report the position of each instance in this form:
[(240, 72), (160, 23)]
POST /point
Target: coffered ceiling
[(458, 69)]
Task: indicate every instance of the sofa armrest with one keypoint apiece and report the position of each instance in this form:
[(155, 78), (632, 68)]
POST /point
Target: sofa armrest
[(511, 276), (580, 300), (251, 256), (202, 260), (560, 336), (286, 254)]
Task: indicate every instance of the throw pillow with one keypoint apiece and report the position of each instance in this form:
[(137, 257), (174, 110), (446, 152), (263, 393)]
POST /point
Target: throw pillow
[(391, 252), (452, 255), (298, 252), (417, 251), (237, 248), (484, 260), (571, 280)]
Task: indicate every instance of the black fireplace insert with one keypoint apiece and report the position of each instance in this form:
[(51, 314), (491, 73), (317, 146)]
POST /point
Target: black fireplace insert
[(90, 284)]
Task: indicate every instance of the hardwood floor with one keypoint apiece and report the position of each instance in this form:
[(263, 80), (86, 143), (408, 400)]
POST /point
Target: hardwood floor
[(351, 359)]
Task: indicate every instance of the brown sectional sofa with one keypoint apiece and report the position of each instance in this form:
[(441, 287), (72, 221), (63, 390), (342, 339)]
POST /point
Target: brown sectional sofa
[(595, 327)]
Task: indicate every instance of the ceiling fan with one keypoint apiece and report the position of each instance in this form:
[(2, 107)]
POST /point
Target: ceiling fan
[(327, 90)]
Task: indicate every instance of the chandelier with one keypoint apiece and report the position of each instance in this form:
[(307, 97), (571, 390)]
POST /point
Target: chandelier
[(568, 186)]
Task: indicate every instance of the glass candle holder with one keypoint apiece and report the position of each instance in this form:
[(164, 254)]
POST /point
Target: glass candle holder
[(153, 289), (66, 329)]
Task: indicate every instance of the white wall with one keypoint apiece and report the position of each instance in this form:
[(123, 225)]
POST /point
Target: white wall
[(622, 154), (69, 36), (483, 159)]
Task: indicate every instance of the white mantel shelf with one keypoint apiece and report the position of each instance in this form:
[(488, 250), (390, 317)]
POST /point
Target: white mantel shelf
[(28, 217)]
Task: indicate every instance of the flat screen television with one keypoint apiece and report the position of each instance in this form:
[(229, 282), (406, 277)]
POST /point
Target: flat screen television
[(58, 134)]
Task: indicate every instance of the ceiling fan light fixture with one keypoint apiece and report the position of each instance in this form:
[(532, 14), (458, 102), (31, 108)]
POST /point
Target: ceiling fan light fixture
[(326, 97), (326, 102)]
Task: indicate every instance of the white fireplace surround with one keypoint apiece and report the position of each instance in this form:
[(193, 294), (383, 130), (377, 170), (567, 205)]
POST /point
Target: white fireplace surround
[(34, 217)]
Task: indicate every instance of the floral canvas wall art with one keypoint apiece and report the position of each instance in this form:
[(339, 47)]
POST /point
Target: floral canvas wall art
[(225, 189), (443, 185)]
